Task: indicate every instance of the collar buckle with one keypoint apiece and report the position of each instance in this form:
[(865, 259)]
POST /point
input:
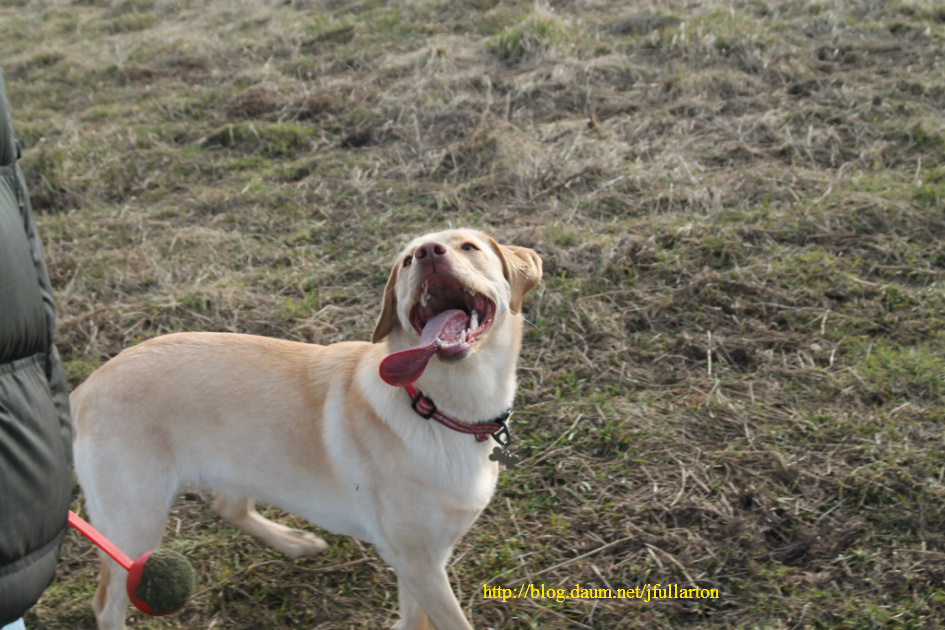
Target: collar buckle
[(502, 421), (429, 409)]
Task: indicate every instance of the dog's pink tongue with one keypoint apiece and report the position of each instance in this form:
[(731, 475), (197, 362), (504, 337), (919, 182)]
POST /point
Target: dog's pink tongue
[(404, 367)]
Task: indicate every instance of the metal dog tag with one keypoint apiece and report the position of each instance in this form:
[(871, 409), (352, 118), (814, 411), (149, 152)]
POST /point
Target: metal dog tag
[(503, 457)]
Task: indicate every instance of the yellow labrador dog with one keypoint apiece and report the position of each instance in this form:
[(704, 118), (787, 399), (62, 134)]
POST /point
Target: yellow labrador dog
[(389, 442)]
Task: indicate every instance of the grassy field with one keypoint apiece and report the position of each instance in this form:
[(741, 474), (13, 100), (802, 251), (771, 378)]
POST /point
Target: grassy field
[(735, 376)]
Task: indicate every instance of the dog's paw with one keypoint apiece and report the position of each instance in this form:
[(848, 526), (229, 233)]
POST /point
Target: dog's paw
[(298, 544)]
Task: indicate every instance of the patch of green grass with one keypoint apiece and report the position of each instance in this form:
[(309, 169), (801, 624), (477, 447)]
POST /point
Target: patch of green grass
[(562, 236), (129, 23), (901, 374), (270, 140), (721, 253), (930, 188), (538, 33)]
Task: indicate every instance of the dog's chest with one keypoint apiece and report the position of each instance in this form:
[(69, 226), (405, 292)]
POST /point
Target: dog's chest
[(465, 479)]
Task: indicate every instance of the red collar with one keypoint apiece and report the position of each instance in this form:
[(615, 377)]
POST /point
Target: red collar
[(496, 427)]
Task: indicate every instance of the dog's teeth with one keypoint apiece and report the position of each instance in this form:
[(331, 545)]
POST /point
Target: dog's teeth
[(425, 296), (470, 291), (474, 321), (452, 344)]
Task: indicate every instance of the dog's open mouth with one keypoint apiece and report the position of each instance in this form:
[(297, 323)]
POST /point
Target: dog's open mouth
[(458, 315), (450, 319)]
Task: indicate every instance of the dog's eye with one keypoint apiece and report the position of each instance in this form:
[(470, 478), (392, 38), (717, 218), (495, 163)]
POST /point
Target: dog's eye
[(469, 247), (408, 261)]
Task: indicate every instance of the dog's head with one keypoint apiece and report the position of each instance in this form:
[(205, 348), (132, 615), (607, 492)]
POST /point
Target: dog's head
[(448, 290)]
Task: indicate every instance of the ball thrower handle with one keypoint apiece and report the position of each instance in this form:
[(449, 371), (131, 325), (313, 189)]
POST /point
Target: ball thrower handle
[(99, 540)]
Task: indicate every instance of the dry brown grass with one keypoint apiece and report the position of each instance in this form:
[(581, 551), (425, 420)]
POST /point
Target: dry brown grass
[(734, 377)]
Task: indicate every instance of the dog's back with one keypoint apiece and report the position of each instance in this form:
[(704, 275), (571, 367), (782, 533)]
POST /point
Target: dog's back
[(173, 412)]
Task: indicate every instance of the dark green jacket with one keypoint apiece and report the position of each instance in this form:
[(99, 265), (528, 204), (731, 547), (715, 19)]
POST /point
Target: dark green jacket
[(35, 433)]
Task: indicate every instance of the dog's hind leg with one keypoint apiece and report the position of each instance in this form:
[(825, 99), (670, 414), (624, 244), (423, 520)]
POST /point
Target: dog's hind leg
[(291, 542), (127, 501), (111, 598), (134, 529)]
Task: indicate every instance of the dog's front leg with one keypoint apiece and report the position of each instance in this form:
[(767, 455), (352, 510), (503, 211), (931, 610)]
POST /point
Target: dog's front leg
[(425, 588), (412, 616)]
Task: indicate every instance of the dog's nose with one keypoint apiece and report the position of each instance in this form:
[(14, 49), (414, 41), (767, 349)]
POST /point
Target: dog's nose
[(429, 253)]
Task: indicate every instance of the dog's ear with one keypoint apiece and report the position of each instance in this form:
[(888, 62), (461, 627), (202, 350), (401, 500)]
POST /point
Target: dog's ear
[(385, 323), (522, 268)]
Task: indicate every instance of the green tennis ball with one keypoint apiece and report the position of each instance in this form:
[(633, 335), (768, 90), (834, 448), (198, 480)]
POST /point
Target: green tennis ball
[(166, 583)]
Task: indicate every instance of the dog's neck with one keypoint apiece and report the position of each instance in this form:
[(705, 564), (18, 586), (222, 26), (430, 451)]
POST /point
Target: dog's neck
[(479, 387)]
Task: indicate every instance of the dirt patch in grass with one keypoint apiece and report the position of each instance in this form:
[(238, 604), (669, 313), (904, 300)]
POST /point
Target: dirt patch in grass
[(732, 377)]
